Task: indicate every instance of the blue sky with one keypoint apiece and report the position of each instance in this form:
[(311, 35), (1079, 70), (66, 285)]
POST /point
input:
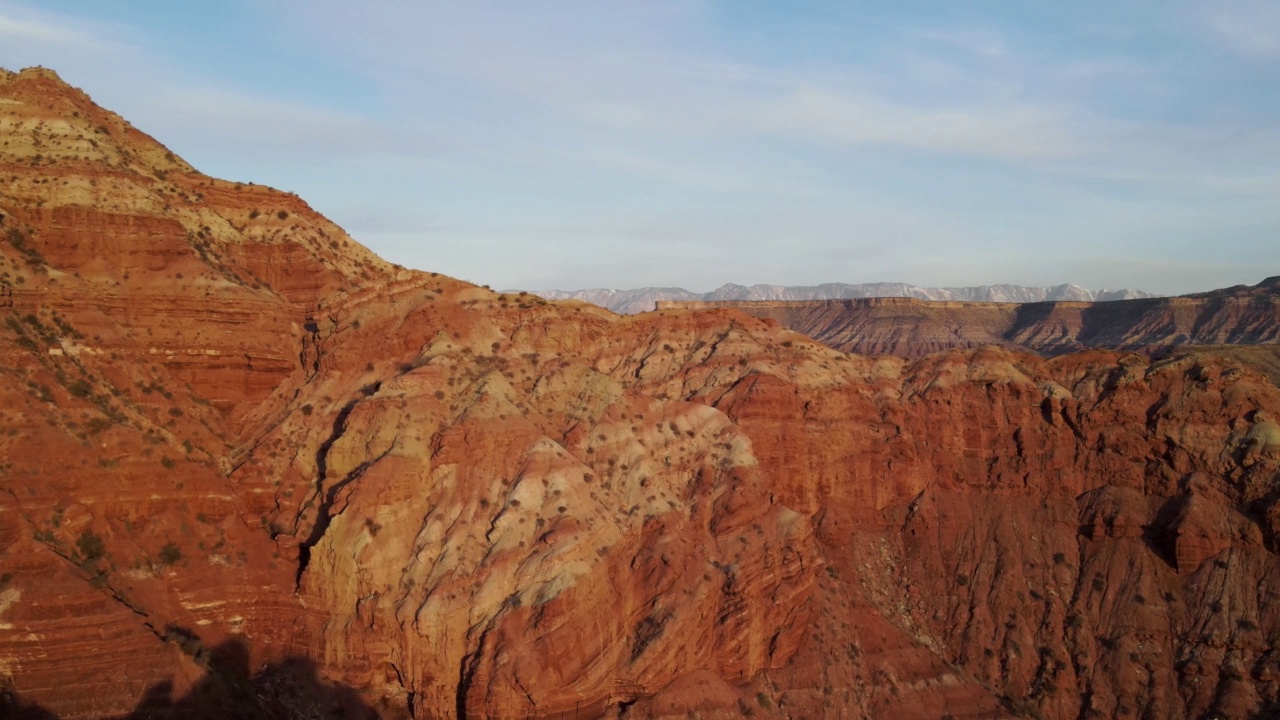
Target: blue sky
[(537, 145)]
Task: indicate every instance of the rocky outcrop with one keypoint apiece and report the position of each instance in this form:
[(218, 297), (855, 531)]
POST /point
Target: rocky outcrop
[(909, 327), (259, 448)]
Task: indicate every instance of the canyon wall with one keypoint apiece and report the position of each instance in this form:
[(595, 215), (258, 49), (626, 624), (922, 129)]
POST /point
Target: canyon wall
[(235, 441)]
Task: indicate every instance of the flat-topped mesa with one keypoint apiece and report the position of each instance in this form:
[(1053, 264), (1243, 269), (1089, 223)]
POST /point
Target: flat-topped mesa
[(912, 327)]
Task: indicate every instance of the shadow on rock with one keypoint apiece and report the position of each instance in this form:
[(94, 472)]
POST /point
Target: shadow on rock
[(13, 708), (288, 690)]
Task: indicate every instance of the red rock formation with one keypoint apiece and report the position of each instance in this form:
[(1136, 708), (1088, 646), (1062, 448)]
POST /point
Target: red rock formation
[(220, 427)]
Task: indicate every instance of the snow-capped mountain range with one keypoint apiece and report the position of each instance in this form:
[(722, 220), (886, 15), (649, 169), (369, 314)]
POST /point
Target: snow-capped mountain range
[(643, 299)]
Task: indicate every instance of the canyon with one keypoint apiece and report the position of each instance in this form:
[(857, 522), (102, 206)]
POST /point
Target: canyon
[(250, 469)]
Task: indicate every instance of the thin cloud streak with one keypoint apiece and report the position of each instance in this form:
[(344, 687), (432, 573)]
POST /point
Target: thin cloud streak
[(37, 31), (1248, 27), (665, 93), (1015, 132), (656, 88), (231, 118)]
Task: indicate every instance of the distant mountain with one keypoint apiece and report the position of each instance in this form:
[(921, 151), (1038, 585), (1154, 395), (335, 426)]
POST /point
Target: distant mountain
[(906, 326), (643, 299)]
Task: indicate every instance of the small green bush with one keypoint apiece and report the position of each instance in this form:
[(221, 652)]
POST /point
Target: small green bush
[(90, 545), (170, 554)]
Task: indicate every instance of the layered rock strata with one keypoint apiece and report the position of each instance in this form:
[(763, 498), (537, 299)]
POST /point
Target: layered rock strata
[(224, 424)]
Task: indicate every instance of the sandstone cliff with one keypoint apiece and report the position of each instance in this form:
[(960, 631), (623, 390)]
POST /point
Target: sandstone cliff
[(225, 424)]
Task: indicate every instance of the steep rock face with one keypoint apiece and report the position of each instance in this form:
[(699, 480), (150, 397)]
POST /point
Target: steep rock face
[(463, 503), (903, 326), (486, 492), (1013, 527), (129, 346)]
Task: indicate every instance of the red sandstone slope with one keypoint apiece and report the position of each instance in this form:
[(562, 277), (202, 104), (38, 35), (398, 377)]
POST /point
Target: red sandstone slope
[(905, 326), (464, 503)]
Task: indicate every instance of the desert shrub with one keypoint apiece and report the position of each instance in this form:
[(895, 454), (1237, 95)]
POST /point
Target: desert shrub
[(90, 545), (170, 554)]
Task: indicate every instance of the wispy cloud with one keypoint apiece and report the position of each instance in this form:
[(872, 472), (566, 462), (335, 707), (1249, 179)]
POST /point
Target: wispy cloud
[(1248, 27), (655, 88), (1008, 132), (1106, 67), (42, 31), (977, 42), (232, 118)]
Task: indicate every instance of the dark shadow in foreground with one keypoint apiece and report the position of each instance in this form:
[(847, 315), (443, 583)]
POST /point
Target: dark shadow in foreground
[(288, 690), (13, 708)]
